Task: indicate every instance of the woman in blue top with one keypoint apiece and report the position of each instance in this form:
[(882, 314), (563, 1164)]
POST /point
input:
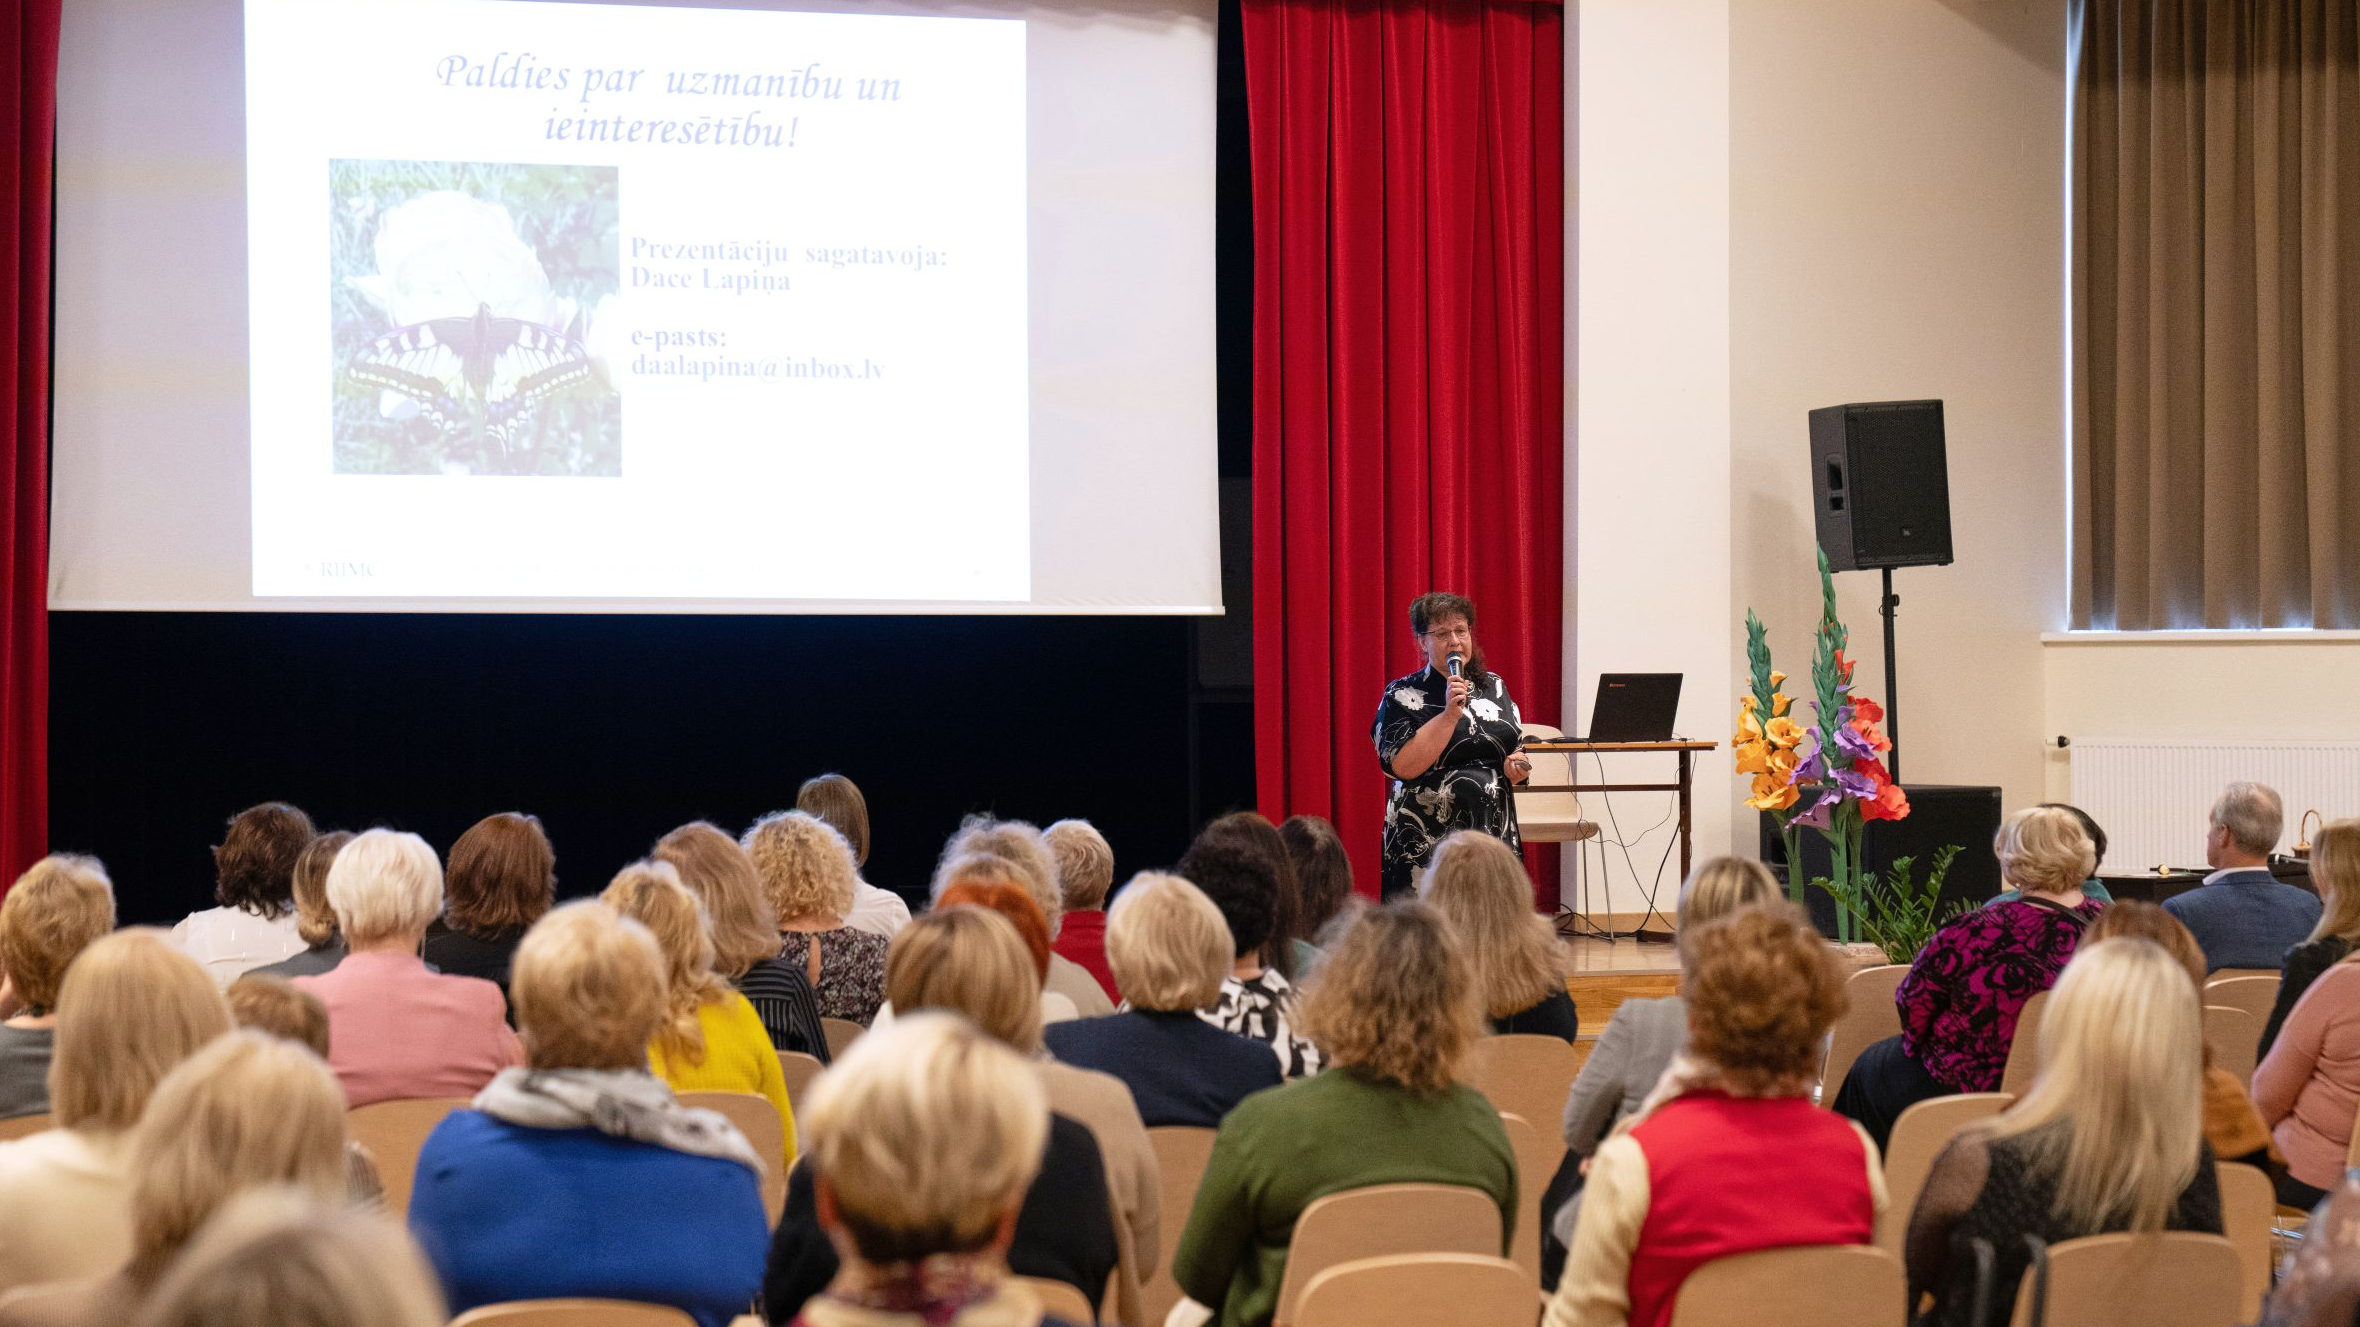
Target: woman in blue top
[(1453, 745)]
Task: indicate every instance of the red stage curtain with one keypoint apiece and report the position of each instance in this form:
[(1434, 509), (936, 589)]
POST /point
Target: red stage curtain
[(28, 64), (1408, 176)]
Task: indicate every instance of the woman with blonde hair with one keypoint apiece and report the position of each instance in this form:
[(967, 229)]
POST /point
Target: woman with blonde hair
[(501, 878), (1395, 1006), (2335, 873), (315, 921), (131, 1008), (806, 870), (247, 1111), (1729, 1155), (745, 935), (1095, 1201), (1964, 990), (837, 800), (2109, 1138), (54, 911), (280, 1257), (1169, 950), (1479, 886), (580, 1174), (1024, 848), (711, 1039)]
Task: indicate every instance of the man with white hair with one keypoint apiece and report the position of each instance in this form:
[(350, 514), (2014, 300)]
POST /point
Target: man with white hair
[(2242, 915)]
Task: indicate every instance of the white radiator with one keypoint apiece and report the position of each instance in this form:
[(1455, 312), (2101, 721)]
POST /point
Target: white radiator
[(2152, 794)]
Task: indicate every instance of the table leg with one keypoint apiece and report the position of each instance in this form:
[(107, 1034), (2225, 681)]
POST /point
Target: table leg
[(1686, 825)]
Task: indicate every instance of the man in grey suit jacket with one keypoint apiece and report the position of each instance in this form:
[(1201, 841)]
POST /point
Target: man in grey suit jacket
[(2243, 916)]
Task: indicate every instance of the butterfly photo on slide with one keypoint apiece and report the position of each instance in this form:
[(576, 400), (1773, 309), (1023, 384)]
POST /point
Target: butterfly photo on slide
[(469, 303)]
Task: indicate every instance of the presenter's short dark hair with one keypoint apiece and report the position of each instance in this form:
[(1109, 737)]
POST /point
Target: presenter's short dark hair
[(1428, 609), (254, 865), (1230, 866)]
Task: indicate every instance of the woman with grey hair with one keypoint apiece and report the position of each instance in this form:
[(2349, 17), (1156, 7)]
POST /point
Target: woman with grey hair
[(1023, 847)]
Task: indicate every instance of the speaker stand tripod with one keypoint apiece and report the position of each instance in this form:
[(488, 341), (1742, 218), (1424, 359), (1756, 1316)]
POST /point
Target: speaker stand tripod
[(1890, 607)]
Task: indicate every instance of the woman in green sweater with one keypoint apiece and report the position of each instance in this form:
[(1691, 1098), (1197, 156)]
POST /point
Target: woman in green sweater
[(1394, 1008)]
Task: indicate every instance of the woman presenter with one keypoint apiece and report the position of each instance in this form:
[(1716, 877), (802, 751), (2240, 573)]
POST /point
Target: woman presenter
[(1451, 739)]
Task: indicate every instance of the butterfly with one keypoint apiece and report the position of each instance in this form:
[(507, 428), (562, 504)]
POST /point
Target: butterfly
[(481, 374)]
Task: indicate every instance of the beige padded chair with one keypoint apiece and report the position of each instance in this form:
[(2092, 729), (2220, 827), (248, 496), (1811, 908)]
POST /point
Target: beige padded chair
[(1918, 1137), (393, 1131), (2175, 1279), (800, 1069), (842, 1032), (573, 1313), (1538, 1152), (2024, 1051), (758, 1120), (2234, 1035), (1868, 1019), (2248, 1204), (1815, 1285), (1181, 1152), (1543, 815), (23, 1125), (1524, 1073), (1386, 1219), (1059, 1300), (2249, 989), (1461, 1289)]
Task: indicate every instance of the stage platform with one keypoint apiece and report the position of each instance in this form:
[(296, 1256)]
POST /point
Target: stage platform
[(1601, 974)]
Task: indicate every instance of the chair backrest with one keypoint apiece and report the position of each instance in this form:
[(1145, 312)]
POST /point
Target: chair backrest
[(1524, 1073), (1538, 1154), (799, 1069), (1869, 1018), (1059, 1300), (841, 1032), (573, 1313), (1918, 1137), (393, 1131), (758, 1120), (1386, 1219), (2248, 1205), (23, 1125), (2248, 989), (1462, 1289), (2175, 1279), (1809, 1286), (2234, 1035), (2024, 1051), (1181, 1152)]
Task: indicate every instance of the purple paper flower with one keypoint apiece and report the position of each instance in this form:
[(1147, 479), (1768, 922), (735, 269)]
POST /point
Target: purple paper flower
[(1821, 812)]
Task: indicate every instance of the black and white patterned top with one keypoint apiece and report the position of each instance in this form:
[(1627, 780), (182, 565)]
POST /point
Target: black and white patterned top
[(1263, 1009), (1465, 788)]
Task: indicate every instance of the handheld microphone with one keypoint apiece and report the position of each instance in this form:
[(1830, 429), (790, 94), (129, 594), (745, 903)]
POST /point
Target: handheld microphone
[(1453, 663)]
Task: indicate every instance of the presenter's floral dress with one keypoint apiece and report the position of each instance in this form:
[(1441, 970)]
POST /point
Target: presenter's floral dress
[(1465, 789)]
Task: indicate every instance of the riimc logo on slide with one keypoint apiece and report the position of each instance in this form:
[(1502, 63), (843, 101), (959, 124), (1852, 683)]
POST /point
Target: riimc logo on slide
[(637, 304)]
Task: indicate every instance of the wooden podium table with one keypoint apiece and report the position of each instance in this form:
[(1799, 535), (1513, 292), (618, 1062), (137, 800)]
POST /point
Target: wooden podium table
[(1683, 753)]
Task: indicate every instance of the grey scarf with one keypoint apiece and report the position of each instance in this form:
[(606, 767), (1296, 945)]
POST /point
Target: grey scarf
[(622, 1103)]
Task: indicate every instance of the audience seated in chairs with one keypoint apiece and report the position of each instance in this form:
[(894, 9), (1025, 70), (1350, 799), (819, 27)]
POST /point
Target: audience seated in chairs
[(580, 1174), (2110, 1137), (1085, 871), (247, 1111), (254, 882), (277, 1257), (1728, 1155), (981, 881), (710, 1040), (53, 912), (2242, 915), (1024, 849), (806, 869), (132, 1007), (267, 1004), (501, 879), (746, 936), (1228, 862), (2233, 1129), (315, 921), (398, 1029), (1098, 1166), (1960, 1000), (925, 1137), (2308, 1086), (1170, 951), (2335, 872), (836, 800), (1478, 884), (1395, 1006)]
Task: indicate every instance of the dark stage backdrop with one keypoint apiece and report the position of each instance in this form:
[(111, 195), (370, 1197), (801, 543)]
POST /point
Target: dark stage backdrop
[(615, 729)]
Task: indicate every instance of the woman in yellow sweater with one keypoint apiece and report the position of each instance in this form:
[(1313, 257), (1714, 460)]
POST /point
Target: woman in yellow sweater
[(711, 1040)]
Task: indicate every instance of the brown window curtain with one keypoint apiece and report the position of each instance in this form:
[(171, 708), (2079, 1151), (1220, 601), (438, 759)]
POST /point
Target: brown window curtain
[(2216, 314)]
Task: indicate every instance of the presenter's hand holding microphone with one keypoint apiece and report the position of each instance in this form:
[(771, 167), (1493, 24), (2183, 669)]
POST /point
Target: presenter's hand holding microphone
[(1460, 688)]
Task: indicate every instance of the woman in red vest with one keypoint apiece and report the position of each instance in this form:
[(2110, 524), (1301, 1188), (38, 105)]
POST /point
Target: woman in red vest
[(1729, 1155)]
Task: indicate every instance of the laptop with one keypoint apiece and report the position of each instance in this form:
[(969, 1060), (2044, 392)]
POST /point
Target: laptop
[(1635, 707)]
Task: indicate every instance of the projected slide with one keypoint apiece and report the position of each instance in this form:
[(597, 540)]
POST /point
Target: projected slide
[(615, 302)]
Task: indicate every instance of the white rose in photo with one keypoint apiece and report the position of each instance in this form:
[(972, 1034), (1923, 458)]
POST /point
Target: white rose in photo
[(1410, 698), (444, 254)]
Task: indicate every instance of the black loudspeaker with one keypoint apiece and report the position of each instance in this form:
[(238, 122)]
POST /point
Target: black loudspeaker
[(1938, 815), (1881, 484)]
